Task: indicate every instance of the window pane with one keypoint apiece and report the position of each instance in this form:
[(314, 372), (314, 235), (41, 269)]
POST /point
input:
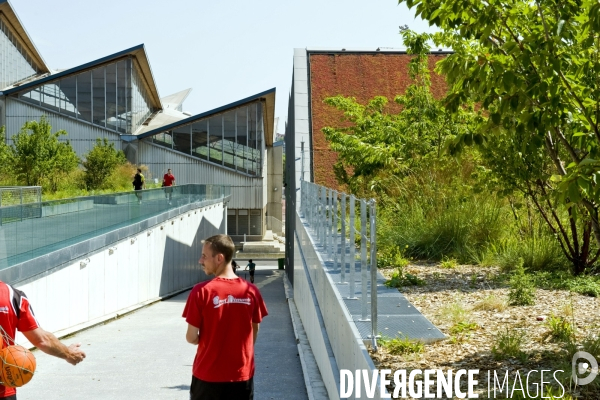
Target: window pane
[(50, 96), (181, 139), (122, 106), (163, 139), (215, 129), (68, 96), (99, 98), (111, 96), (229, 144), (199, 140), (242, 137), (16, 65), (84, 96)]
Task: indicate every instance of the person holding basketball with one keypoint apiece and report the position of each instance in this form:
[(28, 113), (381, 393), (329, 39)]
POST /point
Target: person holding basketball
[(223, 316), (16, 314)]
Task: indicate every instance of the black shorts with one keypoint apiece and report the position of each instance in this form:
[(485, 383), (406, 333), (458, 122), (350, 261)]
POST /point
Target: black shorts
[(202, 390), (13, 397)]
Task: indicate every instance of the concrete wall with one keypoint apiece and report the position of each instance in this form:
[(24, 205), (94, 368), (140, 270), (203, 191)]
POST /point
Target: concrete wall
[(333, 336), (149, 265), (275, 186)]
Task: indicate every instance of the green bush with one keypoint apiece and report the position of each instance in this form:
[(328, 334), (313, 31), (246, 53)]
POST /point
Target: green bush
[(402, 345), (100, 164), (400, 278), (561, 330), (508, 345), (522, 288)]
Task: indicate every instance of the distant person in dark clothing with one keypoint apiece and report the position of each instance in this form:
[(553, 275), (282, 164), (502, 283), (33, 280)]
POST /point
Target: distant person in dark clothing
[(235, 266), (168, 183), (251, 267), (139, 183)]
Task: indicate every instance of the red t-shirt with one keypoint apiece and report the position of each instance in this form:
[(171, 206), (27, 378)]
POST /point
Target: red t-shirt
[(15, 313), (223, 310), (168, 179)]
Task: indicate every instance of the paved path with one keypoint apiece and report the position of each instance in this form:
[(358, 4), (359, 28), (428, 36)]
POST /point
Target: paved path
[(144, 355)]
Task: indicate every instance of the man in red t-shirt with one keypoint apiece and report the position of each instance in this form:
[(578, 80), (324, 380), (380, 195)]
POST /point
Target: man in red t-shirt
[(16, 313), (223, 315), (168, 182)]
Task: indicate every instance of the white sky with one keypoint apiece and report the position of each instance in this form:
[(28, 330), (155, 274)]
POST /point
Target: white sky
[(223, 50)]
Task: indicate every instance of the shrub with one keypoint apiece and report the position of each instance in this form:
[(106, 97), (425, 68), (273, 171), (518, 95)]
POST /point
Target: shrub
[(508, 345), (402, 345), (522, 289), (561, 330), (100, 164), (400, 278), (391, 257), (448, 263)]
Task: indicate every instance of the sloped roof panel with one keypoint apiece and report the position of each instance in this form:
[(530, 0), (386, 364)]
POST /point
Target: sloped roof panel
[(138, 52), (19, 30), (269, 112)]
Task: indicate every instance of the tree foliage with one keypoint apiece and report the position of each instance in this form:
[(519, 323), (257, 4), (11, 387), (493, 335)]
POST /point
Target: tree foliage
[(38, 157), (101, 162), (375, 146), (533, 67)]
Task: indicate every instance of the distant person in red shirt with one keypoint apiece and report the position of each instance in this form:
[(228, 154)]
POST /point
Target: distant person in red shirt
[(168, 182), (223, 315), (16, 313)]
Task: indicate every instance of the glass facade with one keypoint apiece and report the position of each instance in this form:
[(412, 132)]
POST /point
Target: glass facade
[(15, 64), (232, 139), (112, 96)]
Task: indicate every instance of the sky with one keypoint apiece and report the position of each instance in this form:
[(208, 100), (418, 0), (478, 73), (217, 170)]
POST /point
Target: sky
[(223, 50)]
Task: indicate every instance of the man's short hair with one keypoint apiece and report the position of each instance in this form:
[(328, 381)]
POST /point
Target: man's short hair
[(221, 244)]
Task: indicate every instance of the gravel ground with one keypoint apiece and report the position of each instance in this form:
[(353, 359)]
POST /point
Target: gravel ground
[(470, 307)]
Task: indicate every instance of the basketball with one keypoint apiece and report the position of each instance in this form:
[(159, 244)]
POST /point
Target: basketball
[(18, 366)]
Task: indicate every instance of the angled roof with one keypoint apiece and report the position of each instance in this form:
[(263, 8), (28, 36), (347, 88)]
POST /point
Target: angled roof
[(19, 30), (269, 115), (176, 99), (138, 52)]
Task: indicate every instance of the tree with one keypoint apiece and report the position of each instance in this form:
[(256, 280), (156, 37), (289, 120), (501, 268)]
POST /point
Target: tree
[(5, 155), (38, 155), (101, 162), (375, 147), (534, 69)]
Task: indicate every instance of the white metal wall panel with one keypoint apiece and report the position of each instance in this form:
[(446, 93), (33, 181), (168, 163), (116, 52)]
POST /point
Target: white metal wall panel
[(81, 135), (246, 192), (133, 274)]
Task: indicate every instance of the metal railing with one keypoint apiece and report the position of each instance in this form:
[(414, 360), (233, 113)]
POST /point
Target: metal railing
[(20, 202), (333, 218), (69, 221)]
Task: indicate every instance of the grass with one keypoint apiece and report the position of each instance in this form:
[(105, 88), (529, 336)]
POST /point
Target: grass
[(560, 330), (491, 303), (400, 278), (402, 345), (508, 345)]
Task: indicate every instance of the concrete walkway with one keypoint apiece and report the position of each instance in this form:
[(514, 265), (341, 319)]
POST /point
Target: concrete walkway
[(144, 355)]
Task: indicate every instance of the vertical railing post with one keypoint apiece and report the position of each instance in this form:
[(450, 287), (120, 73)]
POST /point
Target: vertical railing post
[(363, 260), (352, 256), (373, 274), (330, 242), (343, 240), (326, 226), (334, 243)]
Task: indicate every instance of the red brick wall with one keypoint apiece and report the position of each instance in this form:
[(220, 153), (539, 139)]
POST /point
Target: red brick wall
[(363, 76)]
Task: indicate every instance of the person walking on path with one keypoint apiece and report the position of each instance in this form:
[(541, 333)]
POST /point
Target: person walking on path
[(16, 314), (139, 183), (251, 267), (223, 316), (168, 183)]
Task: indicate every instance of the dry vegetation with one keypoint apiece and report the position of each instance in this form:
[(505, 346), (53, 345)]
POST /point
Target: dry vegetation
[(469, 304)]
